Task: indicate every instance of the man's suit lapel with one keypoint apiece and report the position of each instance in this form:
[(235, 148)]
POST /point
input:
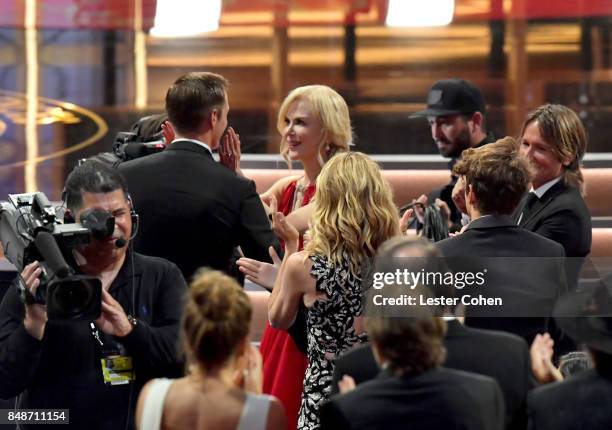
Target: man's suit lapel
[(546, 199)]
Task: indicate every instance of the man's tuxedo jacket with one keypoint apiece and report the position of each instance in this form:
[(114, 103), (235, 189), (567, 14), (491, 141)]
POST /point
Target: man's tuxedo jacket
[(437, 399), (580, 402), (560, 215), (524, 269), (195, 211), (499, 355)]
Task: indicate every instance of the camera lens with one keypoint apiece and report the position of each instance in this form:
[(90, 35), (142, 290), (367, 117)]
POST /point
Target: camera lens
[(71, 298)]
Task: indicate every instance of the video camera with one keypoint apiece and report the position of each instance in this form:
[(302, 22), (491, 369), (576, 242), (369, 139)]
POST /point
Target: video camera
[(144, 138), (30, 231)]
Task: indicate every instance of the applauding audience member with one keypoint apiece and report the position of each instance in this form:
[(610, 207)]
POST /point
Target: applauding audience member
[(413, 391), (354, 214), (581, 401), (499, 355), (222, 390)]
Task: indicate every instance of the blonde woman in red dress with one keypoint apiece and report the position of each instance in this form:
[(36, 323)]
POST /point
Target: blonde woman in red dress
[(314, 124)]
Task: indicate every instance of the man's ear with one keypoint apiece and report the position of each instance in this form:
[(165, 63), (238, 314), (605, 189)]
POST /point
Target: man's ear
[(470, 195), (211, 119), (214, 117), (477, 120)]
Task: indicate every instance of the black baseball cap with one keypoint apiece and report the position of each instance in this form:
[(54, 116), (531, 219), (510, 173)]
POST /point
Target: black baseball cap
[(452, 96)]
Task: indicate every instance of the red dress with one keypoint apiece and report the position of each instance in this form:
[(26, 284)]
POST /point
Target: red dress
[(284, 365)]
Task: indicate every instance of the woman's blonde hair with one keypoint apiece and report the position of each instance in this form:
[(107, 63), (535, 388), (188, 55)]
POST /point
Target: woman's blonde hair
[(561, 128), (354, 211), (216, 319), (333, 113)]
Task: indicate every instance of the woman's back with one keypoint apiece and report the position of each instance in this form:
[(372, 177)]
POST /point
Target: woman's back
[(203, 405)]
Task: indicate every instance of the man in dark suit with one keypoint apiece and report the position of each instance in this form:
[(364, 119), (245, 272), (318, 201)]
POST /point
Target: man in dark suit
[(495, 178), (195, 211), (583, 400), (501, 356), (412, 390)]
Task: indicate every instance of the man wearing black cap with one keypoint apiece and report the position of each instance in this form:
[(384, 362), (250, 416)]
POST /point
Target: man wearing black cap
[(456, 114)]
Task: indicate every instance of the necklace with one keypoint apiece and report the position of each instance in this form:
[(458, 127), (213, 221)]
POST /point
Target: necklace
[(298, 194)]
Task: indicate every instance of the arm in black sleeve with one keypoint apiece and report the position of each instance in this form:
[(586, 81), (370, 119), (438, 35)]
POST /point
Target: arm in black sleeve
[(19, 352), (255, 235), (154, 346)]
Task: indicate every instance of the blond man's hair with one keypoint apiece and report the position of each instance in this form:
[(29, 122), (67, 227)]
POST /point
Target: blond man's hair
[(561, 128)]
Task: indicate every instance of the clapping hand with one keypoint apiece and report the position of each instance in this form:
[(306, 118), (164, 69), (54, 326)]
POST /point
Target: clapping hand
[(259, 272), (284, 229)]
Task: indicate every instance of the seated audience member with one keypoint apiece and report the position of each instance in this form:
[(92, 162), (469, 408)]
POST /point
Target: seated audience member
[(54, 364), (413, 390), (581, 401), (456, 113), (495, 177), (223, 388), (194, 210), (502, 356), (353, 214)]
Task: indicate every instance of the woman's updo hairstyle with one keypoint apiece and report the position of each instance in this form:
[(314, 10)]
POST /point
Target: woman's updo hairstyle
[(216, 319)]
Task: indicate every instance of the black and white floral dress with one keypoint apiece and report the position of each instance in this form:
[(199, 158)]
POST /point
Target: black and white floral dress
[(330, 331)]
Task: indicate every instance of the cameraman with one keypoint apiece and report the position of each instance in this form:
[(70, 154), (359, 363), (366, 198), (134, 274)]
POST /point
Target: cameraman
[(75, 365)]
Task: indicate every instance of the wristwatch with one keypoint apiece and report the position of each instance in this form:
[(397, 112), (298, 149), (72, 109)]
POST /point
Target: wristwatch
[(133, 321)]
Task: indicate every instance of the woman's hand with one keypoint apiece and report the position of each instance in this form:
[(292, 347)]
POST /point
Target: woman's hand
[(249, 375), (259, 272), (284, 229), (230, 152)]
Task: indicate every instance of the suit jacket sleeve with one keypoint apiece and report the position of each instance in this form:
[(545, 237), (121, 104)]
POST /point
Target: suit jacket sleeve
[(255, 235), (332, 418), (19, 352), (154, 346)]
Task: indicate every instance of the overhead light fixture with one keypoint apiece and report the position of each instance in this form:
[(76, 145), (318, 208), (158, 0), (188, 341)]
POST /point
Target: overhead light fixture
[(417, 13), (184, 18)]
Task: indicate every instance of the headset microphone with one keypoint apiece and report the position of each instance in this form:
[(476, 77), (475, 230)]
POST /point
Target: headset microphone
[(120, 243)]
